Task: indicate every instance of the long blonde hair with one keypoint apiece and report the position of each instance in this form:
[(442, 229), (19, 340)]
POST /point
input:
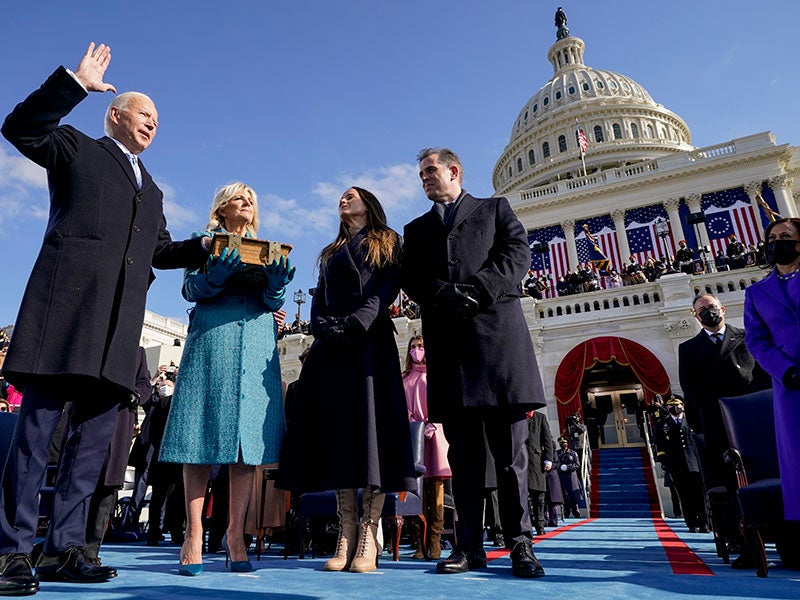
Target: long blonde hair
[(381, 241), (221, 198)]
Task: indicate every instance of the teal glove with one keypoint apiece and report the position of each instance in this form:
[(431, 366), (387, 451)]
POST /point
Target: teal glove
[(279, 273), (221, 268)]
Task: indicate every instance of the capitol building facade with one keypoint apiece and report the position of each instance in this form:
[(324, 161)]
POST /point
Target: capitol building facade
[(606, 353)]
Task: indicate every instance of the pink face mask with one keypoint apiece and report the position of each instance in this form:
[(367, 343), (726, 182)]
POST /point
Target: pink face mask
[(417, 354)]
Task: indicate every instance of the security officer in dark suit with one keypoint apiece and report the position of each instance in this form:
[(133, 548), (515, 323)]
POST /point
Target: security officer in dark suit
[(540, 461), (568, 463), (675, 450), (77, 332)]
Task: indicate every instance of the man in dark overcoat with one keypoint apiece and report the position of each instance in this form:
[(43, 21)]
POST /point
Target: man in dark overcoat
[(77, 332), (463, 262), (715, 364), (540, 461)]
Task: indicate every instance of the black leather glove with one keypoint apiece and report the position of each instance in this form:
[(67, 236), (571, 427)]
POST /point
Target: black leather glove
[(462, 299), (338, 328), (791, 379)]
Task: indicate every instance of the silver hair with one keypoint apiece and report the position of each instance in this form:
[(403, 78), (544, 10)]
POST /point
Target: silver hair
[(121, 103)]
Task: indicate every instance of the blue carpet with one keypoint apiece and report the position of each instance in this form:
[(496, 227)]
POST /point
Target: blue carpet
[(618, 476), (599, 559)]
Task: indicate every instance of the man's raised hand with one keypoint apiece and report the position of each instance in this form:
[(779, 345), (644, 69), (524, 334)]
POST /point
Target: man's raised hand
[(93, 66)]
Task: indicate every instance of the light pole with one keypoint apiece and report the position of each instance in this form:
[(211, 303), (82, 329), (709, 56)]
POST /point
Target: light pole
[(662, 231), (299, 298)]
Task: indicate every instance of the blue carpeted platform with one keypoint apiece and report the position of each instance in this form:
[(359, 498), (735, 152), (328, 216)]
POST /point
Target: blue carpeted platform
[(601, 559), (621, 483)]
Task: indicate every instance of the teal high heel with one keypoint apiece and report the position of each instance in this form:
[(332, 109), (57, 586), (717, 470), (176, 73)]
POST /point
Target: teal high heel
[(190, 570), (237, 566)]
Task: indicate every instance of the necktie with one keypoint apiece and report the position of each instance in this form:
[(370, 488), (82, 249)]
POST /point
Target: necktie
[(717, 337), (449, 213), (136, 170)]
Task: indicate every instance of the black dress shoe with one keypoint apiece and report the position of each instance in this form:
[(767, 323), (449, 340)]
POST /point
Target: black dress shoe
[(16, 575), (703, 529), (461, 562), (743, 562), (72, 566), (523, 561), (692, 530), (540, 530)]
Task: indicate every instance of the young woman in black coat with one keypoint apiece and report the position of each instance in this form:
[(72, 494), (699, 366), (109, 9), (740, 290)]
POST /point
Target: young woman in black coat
[(348, 427)]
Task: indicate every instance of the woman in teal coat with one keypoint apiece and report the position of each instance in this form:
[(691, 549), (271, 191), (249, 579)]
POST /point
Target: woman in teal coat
[(227, 407)]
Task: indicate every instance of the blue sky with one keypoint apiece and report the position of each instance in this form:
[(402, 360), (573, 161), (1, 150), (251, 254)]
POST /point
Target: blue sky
[(303, 99)]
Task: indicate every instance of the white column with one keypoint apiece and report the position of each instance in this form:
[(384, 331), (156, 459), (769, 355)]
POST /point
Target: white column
[(569, 233), (618, 215), (753, 188), (782, 186), (671, 205), (693, 202)]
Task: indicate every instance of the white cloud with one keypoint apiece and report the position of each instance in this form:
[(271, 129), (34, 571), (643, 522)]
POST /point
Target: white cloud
[(315, 218), (396, 186), (23, 188), (178, 215)]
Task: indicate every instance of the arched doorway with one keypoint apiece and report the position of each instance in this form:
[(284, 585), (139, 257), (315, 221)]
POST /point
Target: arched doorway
[(609, 380)]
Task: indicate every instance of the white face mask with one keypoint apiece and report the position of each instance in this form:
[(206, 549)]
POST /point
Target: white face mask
[(165, 390)]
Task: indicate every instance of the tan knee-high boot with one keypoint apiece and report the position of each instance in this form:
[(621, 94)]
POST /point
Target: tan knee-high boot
[(435, 518), (346, 545), (366, 558)]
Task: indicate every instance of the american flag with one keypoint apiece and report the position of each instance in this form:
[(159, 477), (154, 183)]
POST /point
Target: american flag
[(730, 212), (602, 229), (641, 230), (582, 141), (555, 261)]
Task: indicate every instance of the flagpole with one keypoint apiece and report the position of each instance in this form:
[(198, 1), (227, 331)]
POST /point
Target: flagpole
[(580, 146)]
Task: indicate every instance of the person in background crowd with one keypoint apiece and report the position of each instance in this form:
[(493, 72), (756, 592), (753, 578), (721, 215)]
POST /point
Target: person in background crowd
[(540, 461), (165, 512), (735, 252), (77, 331), (349, 422), (568, 463), (676, 452), (554, 496), (228, 403), (112, 476), (463, 262), (437, 469), (684, 258)]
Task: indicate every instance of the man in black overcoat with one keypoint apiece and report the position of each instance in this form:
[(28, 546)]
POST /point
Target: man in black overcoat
[(463, 262), (715, 364), (76, 336), (540, 461)]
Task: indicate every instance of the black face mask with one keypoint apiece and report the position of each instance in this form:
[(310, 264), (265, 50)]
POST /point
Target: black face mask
[(675, 410), (710, 316), (781, 252)]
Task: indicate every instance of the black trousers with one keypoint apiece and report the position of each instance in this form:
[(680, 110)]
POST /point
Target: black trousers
[(690, 491), (94, 411), (506, 432)]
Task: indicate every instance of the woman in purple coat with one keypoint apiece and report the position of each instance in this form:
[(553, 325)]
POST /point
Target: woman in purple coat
[(772, 334)]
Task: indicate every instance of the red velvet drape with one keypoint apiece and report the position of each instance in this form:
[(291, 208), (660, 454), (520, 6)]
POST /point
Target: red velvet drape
[(642, 362)]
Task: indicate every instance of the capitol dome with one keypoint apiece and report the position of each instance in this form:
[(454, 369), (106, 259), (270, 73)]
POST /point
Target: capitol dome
[(622, 123)]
